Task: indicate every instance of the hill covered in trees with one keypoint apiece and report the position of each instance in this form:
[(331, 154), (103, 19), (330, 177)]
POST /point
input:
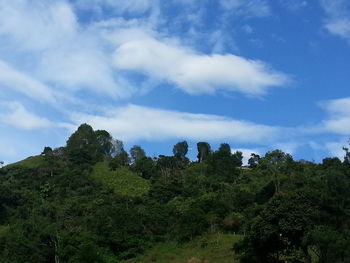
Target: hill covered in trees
[(92, 201)]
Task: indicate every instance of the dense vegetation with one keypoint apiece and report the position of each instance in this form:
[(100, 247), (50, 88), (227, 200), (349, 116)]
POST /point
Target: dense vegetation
[(91, 201)]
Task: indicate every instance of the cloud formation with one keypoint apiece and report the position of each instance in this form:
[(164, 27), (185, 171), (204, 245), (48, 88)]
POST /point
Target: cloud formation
[(338, 20), (63, 55), (133, 122), (118, 6), (192, 72), (16, 115), (11, 78), (339, 116), (250, 8)]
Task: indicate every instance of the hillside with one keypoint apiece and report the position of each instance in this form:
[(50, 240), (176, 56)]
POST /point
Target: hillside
[(212, 248), (33, 162), (122, 181), (92, 201)]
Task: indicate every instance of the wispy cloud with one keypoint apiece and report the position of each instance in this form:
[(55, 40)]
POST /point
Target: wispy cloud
[(192, 72), (294, 5), (68, 56), (339, 116), (338, 17), (117, 6), (249, 8), (132, 123), (13, 79), (64, 55), (15, 114), (37, 25)]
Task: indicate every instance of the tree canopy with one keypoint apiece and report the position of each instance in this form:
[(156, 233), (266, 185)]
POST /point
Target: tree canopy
[(63, 205)]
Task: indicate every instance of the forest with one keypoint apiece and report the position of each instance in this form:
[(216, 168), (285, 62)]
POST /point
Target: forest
[(92, 201)]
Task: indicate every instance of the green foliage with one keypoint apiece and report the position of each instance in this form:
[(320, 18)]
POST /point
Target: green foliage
[(86, 203), (204, 151), (122, 180), (223, 163), (104, 142), (329, 245), (137, 153), (211, 248), (180, 149), (253, 160), (119, 161), (145, 167), (31, 162)]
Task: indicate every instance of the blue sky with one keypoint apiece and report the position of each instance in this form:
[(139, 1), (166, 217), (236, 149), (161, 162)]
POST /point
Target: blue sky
[(257, 74)]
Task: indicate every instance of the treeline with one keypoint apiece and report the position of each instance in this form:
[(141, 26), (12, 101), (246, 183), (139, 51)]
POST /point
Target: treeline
[(286, 210)]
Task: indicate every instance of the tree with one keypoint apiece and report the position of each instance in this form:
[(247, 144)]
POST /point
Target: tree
[(118, 147), (82, 146), (276, 162), (137, 153), (180, 149), (105, 142), (145, 167), (120, 160), (84, 136), (237, 158), (329, 245), (47, 151), (280, 230), (347, 154), (223, 163), (204, 151), (253, 160)]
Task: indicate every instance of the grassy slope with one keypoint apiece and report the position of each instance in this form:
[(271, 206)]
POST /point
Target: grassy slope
[(30, 162), (213, 248), (122, 181)]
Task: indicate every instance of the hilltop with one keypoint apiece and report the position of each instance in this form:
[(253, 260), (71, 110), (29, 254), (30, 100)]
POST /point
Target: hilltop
[(93, 201)]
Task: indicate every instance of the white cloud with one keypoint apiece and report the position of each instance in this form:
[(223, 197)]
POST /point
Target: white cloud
[(338, 107), (339, 116), (82, 69), (294, 5), (15, 114), (118, 6), (250, 8), (68, 57), (192, 72), (338, 17), (47, 40), (37, 25), (336, 149), (12, 79), (132, 123), (287, 147)]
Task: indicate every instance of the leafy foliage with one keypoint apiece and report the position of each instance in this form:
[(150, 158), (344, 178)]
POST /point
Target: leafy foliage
[(86, 202)]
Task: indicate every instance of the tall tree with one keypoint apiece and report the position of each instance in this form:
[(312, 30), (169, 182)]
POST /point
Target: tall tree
[(253, 160), (83, 137), (180, 149), (82, 145), (276, 162), (223, 163), (105, 142), (203, 151), (120, 160), (136, 153)]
